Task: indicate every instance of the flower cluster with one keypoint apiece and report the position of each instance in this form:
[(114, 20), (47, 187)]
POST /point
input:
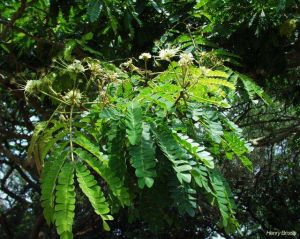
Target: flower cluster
[(185, 59), (95, 68), (129, 66), (98, 72), (76, 66), (167, 54), (32, 86), (145, 56), (73, 97)]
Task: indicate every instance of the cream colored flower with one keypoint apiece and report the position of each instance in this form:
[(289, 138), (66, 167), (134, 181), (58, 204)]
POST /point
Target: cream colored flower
[(167, 54), (145, 56), (204, 70), (128, 65), (73, 97), (186, 59), (32, 86), (76, 66), (95, 68)]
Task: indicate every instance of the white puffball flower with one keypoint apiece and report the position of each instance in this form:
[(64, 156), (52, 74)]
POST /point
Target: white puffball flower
[(73, 97), (186, 59), (76, 66), (95, 68), (29, 86), (129, 65), (167, 54), (204, 70), (32, 86), (145, 56)]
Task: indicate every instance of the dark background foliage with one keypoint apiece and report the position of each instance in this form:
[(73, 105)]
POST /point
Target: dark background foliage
[(265, 36)]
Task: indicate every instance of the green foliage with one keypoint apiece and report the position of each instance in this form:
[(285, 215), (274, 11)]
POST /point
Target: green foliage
[(141, 127), (133, 123), (201, 177), (253, 89), (42, 142), (49, 179), (256, 15), (94, 9), (195, 149), (116, 149), (99, 113), (143, 159), (115, 184), (224, 199), (65, 201), (183, 197), (210, 122), (89, 187), (174, 153), (239, 147)]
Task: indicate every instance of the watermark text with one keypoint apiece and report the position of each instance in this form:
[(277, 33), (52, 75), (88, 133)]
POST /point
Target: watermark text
[(281, 233)]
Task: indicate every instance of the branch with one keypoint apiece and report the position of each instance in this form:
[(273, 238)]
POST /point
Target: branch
[(276, 136), (38, 39), (8, 192), (268, 121), (32, 184), (16, 16), (12, 135), (13, 159)]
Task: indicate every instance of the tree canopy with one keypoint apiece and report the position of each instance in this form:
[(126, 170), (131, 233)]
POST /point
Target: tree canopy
[(149, 119)]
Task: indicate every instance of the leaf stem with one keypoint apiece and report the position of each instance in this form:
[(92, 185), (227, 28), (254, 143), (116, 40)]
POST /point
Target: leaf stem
[(53, 97), (146, 73), (71, 133)]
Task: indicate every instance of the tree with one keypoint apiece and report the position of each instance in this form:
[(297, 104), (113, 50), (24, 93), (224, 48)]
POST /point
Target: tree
[(33, 33)]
